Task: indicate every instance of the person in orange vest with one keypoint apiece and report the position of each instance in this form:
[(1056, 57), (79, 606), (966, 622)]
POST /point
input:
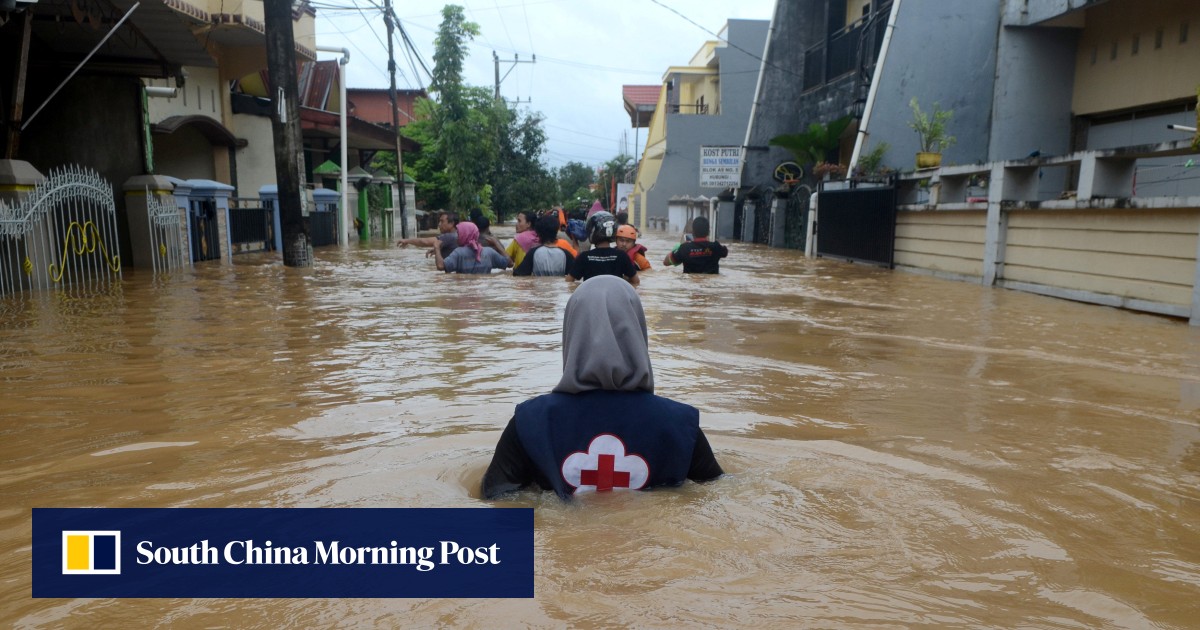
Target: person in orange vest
[(627, 242)]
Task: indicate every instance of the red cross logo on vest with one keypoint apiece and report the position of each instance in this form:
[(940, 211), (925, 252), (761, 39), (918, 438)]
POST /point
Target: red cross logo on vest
[(605, 467)]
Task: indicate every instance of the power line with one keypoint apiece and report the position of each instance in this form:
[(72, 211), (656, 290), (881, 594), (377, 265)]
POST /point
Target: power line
[(731, 44)]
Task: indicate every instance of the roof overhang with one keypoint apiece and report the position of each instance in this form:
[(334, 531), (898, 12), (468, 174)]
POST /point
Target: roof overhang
[(212, 130), (360, 134)]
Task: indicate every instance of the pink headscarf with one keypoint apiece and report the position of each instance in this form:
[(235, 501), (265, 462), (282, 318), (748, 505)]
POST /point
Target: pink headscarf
[(468, 236), (596, 207), (527, 239)]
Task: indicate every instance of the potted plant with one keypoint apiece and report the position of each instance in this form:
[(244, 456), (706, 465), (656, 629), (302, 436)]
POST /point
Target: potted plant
[(814, 145), (931, 130), (870, 164)]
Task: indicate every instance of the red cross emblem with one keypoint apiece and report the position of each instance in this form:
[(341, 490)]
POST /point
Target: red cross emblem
[(604, 477), (605, 466)]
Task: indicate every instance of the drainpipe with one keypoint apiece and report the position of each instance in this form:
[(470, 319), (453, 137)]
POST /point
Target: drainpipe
[(866, 117), (341, 227), (762, 69)]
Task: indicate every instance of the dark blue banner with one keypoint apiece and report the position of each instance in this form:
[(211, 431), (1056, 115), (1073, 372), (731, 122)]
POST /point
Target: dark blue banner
[(282, 552)]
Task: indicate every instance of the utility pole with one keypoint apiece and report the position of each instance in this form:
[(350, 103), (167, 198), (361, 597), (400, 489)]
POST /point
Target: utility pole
[(388, 18), (515, 60), (285, 129)]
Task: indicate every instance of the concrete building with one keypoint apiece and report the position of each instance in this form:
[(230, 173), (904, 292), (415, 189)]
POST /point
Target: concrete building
[(1065, 180), (704, 105), (816, 69)]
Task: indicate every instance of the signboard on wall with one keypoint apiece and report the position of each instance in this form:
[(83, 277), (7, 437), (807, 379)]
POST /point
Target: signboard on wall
[(720, 167), (624, 191)]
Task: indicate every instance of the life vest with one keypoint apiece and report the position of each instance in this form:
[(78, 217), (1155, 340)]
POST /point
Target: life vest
[(608, 440)]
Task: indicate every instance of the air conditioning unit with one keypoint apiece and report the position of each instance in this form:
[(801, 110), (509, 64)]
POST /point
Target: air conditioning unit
[(14, 5)]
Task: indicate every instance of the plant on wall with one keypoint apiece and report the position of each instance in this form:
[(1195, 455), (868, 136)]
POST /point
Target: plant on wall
[(814, 145), (871, 162), (931, 127)]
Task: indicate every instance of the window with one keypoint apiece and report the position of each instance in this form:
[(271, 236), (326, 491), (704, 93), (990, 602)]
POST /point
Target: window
[(1095, 52), (1137, 41), (1183, 33), (1158, 37), (1112, 55)]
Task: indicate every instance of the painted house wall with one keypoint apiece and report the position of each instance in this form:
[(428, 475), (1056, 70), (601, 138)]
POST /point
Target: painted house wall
[(256, 160), (1151, 74), (201, 95), (686, 133), (949, 244), (941, 52), (1146, 255)]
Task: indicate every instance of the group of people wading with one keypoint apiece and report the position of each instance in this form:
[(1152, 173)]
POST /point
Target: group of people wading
[(550, 244), (601, 428)]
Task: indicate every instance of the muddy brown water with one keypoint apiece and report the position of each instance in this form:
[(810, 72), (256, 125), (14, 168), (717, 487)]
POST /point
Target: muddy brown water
[(903, 450)]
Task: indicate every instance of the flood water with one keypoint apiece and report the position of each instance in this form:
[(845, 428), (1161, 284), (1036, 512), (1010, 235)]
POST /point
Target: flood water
[(902, 450)]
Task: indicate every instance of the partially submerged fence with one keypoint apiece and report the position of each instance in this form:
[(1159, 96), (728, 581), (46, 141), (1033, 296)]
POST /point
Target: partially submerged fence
[(64, 232), (168, 235)]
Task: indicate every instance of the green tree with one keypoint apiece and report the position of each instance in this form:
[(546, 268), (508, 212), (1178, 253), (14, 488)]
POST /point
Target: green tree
[(571, 177), (522, 182), (616, 170)]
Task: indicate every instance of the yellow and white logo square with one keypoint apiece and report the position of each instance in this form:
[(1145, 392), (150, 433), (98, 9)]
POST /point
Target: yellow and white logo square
[(91, 552)]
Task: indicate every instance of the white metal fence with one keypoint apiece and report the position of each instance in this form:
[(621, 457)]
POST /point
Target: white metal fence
[(64, 232)]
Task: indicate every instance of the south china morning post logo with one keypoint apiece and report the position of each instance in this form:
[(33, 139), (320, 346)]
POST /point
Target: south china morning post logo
[(91, 552), (282, 552)]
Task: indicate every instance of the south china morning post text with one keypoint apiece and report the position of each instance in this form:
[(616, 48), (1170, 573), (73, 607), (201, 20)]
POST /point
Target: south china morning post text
[(237, 552), (282, 552)]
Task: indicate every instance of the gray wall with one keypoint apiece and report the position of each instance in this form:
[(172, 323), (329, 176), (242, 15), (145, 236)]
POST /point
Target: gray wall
[(1032, 101), (941, 52), (686, 133), (798, 25)]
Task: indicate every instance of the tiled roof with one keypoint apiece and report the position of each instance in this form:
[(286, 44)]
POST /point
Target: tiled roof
[(641, 94)]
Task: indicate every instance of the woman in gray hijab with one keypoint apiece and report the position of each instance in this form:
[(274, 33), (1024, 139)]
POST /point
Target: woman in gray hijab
[(601, 428)]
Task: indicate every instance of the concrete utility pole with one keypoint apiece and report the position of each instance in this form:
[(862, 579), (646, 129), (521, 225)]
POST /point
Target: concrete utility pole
[(285, 129), (391, 25), (515, 60)]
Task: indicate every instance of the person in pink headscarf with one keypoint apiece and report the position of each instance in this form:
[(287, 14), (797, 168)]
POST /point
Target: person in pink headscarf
[(596, 207), (470, 256), (525, 239)]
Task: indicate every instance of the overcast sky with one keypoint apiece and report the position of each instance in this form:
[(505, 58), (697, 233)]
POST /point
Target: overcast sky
[(585, 49)]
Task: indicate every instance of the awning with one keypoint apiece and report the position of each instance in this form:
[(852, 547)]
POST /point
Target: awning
[(360, 134), (214, 131)]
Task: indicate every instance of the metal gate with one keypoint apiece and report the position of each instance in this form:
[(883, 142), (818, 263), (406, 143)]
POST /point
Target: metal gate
[(251, 227), (202, 226), (795, 218), (762, 217), (64, 232), (857, 224), (168, 235)]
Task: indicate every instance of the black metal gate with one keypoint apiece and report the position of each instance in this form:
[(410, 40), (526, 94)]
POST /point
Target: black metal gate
[(857, 224), (202, 223), (250, 229), (322, 228), (795, 218), (762, 218)]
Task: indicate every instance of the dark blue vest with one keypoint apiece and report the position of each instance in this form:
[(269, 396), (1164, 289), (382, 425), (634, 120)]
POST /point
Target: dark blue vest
[(608, 440)]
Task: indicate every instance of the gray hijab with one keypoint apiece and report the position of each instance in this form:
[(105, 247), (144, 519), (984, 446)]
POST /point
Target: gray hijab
[(605, 339)]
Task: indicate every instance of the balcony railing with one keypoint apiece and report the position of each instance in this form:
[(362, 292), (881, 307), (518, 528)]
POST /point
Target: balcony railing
[(852, 48), (676, 108)]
